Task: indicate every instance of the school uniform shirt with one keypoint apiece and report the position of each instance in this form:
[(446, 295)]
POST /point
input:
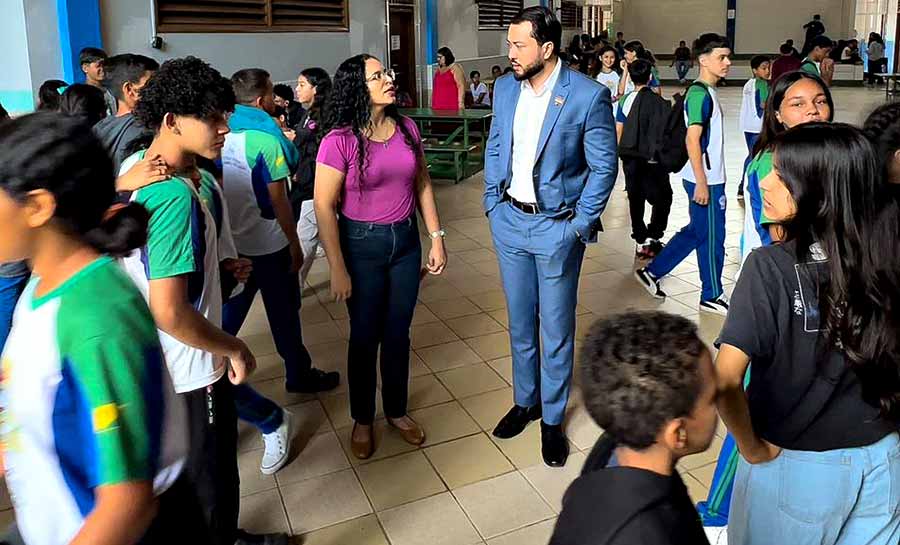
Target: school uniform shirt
[(610, 81), (86, 401), (756, 232), (482, 88), (251, 160), (623, 106), (182, 241), (811, 67), (753, 105), (802, 393), (702, 107), (653, 84)]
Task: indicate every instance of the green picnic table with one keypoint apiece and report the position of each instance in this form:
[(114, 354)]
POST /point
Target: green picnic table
[(460, 150)]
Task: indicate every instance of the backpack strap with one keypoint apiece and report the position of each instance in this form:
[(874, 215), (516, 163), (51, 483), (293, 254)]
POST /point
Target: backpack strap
[(706, 122)]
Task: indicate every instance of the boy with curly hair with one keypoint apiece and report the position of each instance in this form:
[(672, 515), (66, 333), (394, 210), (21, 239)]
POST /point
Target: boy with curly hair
[(656, 404)]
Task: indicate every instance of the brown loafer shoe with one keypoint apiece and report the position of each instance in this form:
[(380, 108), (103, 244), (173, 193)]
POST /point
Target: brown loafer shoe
[(362, 449), (413, 436)]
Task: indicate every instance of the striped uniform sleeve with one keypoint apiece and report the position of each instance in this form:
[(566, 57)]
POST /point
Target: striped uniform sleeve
[(266, 158), (621, 116), (698, 105), (172, 231)]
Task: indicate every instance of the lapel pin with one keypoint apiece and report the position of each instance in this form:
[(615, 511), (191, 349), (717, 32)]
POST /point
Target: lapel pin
[(559, 101)]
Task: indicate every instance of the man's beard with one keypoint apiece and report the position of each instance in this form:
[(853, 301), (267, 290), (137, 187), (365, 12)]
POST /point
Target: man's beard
[(530, 71)]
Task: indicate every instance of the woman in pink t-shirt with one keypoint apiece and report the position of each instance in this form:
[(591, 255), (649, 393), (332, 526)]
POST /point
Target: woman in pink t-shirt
[(370, 180)]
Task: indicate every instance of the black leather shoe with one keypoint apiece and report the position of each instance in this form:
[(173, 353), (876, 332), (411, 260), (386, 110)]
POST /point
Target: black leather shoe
[(516, 420), (314, 381), (554, 445)]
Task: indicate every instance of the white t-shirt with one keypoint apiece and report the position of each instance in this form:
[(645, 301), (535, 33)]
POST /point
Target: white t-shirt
[(753, 104), (482, 88), (623, 106), (701, 106), (610, 81)]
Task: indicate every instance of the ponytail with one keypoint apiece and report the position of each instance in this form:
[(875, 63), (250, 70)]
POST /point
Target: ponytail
[(123, 229)]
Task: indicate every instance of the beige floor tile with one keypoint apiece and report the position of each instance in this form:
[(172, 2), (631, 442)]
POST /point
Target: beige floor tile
[(425, 391), (388, 442), (314, 457), (490, 300), (487, 409), (704, 474), (417, 367), (332, 355), (474, 326), (252, 481), (337, 407), (502, 317), (447, 309), (502, 504), (338, 311), (524, 450), (274, 390), (324, 332), (398, 480), (581, 429), (7, 518), (437, 520), (423, 315), (448, 356), (310, 418), (361, 531), (468, 460), (476, 256), (268, 368), (707, 457), (432, 334), (471, 380), (444, 422), (503, 367), (260, 344), (323, 501), (263, 513), (552, 482), (536, 534), (696, 490), (435, 290), (249, 437), (313, 314), (608, 279), (490, 347)]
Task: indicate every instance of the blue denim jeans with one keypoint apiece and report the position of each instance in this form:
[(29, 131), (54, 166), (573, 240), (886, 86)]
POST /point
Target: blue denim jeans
[(837, 497), (384, 263), (10, 290), (682, 68)]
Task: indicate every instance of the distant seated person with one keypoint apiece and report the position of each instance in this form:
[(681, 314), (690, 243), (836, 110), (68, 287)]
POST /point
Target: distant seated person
[(480, 96), (657, 404), (496, 72), (850, 53)]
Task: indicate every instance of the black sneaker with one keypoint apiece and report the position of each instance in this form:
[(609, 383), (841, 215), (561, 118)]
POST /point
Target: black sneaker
[(650, 283), (315, 381), (718, 306), (653, 248)]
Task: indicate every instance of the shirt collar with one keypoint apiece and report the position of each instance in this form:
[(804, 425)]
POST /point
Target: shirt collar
[(548, 85)]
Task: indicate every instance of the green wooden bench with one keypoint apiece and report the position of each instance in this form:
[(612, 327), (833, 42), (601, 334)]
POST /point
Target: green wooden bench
[(455, 153)]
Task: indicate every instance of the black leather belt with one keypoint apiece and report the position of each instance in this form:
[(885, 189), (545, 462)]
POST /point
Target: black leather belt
[(527, 207)]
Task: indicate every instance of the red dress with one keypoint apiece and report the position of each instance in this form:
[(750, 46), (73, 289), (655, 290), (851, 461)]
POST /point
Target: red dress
[(445, 95)]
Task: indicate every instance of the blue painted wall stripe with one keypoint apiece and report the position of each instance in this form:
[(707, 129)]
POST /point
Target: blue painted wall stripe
[(730, 27), (79, 27), (431, 31)]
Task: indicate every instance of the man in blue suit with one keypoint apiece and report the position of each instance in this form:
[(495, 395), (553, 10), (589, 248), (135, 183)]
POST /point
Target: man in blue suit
[(550, 166)]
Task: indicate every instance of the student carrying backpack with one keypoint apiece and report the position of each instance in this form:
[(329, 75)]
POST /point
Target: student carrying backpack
[(672, 151)]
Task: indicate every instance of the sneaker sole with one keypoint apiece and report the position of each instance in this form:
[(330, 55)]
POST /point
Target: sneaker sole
[(292, 434), (650, 289), (713, 311)]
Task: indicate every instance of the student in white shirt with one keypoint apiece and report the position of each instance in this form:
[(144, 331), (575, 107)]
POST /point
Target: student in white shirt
[(609, 71), (753, 106), (480, 96)]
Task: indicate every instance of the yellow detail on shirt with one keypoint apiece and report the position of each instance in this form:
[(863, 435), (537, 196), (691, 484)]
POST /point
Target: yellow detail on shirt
[(105, 417)]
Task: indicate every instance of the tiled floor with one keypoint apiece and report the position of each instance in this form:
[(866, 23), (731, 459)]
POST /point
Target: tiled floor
[(463, 487)]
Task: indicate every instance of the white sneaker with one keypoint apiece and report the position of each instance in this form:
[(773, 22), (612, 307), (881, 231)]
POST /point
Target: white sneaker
[(278, 446), (718, 306)]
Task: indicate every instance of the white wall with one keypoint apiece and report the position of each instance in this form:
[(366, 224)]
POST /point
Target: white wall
[(126, 29), (660, 24)]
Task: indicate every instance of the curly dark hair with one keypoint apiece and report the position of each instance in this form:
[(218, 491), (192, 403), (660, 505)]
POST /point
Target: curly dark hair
[(187, 87), (350, 106), (631, 387)]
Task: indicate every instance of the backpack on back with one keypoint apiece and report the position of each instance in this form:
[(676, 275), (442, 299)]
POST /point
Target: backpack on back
[(643, 128), (672, 151)]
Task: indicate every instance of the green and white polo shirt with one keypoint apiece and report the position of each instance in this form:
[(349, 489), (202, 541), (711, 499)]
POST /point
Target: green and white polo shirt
[(702, 107)]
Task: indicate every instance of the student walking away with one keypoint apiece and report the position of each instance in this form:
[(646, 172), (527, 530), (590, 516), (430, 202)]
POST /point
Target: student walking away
[(813, 29), (371, 172), (641, 117), (93, 433), (817, 62), (186, 103), (787, 62), (753, 107), (313, 90), (877, 62), (609, 70), (817, 427), (49, 94), (547, 180), (84, 102), (635, 50), (479, 91), (92, 61), (704, 183), (682, 61), (125, 76), (657, 404)]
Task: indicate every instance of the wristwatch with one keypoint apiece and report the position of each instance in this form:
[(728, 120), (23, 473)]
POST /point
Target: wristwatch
[(439, 233)]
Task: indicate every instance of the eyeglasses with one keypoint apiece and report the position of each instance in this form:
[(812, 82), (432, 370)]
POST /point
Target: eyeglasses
[(378, 76)]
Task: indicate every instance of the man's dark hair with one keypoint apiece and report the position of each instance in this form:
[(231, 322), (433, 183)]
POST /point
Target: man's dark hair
[(497, 67), (85, 102), (706, 43), (817, 17), (620, 34), (786, 49), (284, 91), (91, 54), (185, 87), (474, 73), (632, 388), (250, 84), (790, 42), (822, 41), (640, 71), (126, 68), (682, 43), (757, 61), (545, 27)]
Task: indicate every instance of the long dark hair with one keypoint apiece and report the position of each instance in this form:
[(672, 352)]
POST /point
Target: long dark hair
[(49, 94), (883, 129), (597, 64), (61, 155), (771, 127), (832, 173), (638, 47), (350, 107), (84, 101), (321, 81)]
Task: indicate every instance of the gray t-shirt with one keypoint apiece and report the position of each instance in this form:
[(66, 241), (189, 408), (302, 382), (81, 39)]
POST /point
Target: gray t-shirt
[(116, 134)]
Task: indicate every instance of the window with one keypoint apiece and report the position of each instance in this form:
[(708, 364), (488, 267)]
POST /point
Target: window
[(570, 15), (251, 15), (496, 14)]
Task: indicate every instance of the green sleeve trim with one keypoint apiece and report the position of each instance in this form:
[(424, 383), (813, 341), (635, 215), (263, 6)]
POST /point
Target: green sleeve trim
[(170, 250)]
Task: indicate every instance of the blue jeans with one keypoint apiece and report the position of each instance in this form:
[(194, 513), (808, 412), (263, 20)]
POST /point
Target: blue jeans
[(750, 138), (540, 259), (837, 497), (705, 234), (383, 261), (10, 290), (682, 67)]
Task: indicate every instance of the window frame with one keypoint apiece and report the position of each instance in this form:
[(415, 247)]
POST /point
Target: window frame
[(228, 28), (508, 10)]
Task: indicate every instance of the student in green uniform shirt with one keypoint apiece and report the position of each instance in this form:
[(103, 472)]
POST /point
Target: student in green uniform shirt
[(92, 431), (817, 62)]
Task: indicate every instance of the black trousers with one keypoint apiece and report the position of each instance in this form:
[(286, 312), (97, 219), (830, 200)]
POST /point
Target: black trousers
[(179, 518), (647, 183), (212, 467)]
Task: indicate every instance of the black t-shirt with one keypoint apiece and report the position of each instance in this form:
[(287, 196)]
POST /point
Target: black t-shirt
[(802, 394), (682, 54)]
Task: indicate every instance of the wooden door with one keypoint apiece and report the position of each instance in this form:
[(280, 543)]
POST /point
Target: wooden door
[(402, 41)]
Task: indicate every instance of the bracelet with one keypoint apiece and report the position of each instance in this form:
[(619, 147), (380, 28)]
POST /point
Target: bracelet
[(440, 233)]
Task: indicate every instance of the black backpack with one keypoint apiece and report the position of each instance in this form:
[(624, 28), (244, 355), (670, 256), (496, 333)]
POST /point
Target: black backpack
[(643, 129), (672, 152)]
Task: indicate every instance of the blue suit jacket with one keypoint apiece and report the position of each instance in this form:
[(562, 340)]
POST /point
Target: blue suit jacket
[(576, 162)]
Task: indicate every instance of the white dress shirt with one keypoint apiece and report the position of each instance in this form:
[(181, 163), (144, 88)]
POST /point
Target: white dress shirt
[(529, 118)]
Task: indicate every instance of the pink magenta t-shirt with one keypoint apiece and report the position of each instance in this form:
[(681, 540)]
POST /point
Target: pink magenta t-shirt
[(388, 189)]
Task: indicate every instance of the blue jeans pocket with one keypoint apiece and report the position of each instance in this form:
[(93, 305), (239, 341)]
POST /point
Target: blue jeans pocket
[(815, 487)]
